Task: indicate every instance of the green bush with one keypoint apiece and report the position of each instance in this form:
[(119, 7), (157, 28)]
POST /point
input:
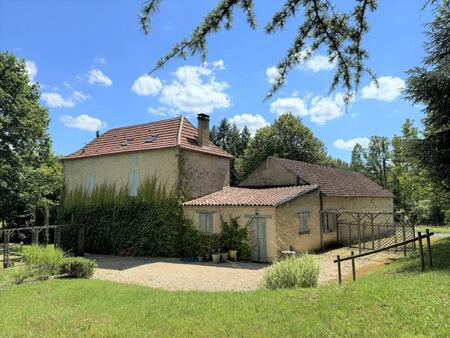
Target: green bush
[(150, 224), (235, 237), (292, 272), (78, 267), (43, 260)]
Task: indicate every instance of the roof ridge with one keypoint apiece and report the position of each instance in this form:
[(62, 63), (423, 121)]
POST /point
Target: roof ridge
[(143, 124)]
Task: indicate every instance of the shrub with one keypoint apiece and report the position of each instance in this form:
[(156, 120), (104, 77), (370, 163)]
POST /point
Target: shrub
[(235, 237), (292, 272), (78, 267), (43, 260), (19, 275)]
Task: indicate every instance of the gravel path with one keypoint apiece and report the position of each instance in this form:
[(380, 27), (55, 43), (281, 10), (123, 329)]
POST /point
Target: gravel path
[(175, 274)]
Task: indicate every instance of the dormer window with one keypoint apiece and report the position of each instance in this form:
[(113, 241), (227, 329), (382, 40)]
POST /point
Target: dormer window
[(151, 138), (127, 141)]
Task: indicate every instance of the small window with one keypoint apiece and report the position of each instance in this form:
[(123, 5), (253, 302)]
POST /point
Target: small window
[(133, 182), (304, 222), (329, 222), (151, 138), (127, 141), (205, 222), (90, 184)]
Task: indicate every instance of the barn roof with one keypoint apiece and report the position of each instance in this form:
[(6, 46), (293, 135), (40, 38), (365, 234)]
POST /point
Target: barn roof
[(332, 181), (232, 196), (147, 136)]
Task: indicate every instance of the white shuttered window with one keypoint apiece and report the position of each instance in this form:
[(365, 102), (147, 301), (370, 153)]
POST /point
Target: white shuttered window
[(205, 222), (133, 182)]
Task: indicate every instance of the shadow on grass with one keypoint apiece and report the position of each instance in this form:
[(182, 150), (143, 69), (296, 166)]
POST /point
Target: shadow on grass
[(440, 253)]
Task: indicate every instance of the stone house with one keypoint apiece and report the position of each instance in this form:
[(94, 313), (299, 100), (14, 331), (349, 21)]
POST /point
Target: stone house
[(179, 155), (282, 202)]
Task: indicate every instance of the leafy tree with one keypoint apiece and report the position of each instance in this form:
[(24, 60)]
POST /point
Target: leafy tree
[(376, 157), (29, 172), (429, 85), (322, 25), (357, 162), (228, 137), (287, 138)]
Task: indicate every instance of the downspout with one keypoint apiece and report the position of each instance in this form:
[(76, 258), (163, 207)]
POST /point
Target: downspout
[(179, 161), (321, 220)]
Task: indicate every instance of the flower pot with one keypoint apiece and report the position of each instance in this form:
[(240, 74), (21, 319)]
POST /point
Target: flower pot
[(224, 256), (233, 255), (216, 257)]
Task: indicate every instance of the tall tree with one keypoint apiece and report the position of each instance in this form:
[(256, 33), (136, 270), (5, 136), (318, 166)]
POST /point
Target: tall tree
[(429, 85), (287, 138), (357, 162), (376, 158), (321, 25), (28, 170), (228, 137)]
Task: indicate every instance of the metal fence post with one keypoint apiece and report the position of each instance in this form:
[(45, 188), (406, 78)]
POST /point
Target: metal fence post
[(429, 248), (404, 233)]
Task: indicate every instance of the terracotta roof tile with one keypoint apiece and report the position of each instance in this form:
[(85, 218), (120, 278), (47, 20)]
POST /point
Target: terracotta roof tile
[(334, 182), (233, 196), (147, 136)]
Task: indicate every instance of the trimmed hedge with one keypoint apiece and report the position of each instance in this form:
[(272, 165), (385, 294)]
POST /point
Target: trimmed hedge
[(150, 224)]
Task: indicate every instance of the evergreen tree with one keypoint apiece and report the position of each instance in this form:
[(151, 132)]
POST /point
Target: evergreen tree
[(429, 85)]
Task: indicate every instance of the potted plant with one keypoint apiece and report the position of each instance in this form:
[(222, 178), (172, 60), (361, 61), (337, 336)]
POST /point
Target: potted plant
[(216, 255), (224, 255)]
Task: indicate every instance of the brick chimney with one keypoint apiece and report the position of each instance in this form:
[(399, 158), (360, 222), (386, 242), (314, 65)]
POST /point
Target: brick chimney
[(203, 130)]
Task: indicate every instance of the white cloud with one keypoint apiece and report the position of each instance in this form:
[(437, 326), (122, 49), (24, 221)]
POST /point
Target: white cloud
[(147, 85), (53, 99), (323, 109), (272, 74), (162, 111), (320, 109), (219, 64), (253, 122), (100, 60), (293, 105), (195, 90), (97, 76), (83, 122), (350, 144), (31, 68), (389, 88), (318, 63)]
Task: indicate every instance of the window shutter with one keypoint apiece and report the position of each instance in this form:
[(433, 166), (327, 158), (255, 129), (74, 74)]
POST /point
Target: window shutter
[(90, 184), (133, 182)]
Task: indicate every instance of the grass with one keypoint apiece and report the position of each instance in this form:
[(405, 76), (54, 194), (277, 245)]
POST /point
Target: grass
[(395, 301), (436, 229)]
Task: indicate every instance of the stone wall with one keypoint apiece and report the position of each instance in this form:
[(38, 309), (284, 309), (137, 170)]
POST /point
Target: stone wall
[(269, 173), (245, 214), (288, 223), (204, 174), (114, 169)]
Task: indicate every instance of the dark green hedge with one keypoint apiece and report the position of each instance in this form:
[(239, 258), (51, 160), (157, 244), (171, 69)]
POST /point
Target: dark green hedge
[(150, 224)]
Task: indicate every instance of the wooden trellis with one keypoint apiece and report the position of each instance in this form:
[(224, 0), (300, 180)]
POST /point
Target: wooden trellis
[(35, 231)]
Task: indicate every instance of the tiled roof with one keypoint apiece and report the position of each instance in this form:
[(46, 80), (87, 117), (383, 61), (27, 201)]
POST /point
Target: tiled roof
[(334, 182), (252, 197), (148, 136)]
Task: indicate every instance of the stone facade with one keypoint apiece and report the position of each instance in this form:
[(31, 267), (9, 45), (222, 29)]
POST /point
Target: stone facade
[(269, 173), (204, 174)]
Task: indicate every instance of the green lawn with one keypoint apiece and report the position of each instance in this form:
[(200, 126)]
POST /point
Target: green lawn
[(442, 229), (396, 301)]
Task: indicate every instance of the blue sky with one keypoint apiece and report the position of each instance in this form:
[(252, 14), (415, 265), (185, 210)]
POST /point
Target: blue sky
[(90, 57)]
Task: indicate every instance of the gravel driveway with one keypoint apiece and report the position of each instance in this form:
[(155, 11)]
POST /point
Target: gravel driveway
[(176, 274)]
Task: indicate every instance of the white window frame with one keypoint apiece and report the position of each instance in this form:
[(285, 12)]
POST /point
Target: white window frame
[(206, 222), (133, 182), (303, 220)]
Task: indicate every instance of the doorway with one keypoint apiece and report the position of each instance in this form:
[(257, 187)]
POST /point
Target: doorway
[(258, 239)]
